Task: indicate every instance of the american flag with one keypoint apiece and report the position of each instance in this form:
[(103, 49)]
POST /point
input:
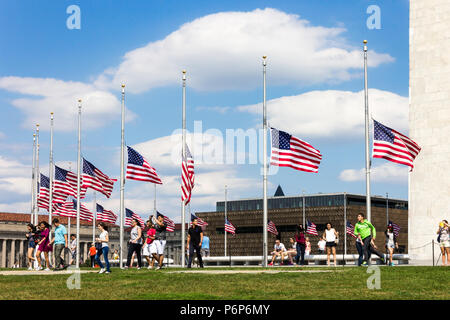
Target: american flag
[(229, 227), (105, 215), (350, 229), (97, 180), (130, 215), (311, 228), (139, 169), (200, 222), (69, 209), (65, 184), (393, 146), (395, 228), (289, 151), (44, 192), (272, 228), (187, 176), (170, 225)]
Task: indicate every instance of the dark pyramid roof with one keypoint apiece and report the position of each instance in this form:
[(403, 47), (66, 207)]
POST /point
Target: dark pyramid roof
[(279, 192)]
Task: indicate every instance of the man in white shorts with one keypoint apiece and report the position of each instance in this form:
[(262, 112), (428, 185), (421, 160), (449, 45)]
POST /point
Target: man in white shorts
[(160, 238)]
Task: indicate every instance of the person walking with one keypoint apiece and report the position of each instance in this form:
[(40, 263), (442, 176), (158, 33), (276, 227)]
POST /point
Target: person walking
[(135, 243), (60, 241), (149, 249), (391, 243), (160, 236), (103, 240), (44, 245), (330, 235), (444, 242), (194, 242), (205, 246), (73, 249), (301, 245), (31, 244), (366, 233)]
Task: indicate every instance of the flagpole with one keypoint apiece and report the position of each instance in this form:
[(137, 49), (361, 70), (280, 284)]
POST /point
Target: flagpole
[(122, 178), (387, 208), (303, 209), (366, 102), (94, 213), (226, 211), (37, 176), (264, 264), (154, 201), (50, 172), (345, 224), (33, 179), (78, 184), (183, 213), (68, 223)]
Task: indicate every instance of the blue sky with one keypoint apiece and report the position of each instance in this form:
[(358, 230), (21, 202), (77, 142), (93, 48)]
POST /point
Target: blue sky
[(314, 57)]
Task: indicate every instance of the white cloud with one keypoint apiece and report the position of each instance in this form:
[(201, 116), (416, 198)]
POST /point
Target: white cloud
[(333, 113), (386, 172), (52, 95), (19, 207), (223, 51)]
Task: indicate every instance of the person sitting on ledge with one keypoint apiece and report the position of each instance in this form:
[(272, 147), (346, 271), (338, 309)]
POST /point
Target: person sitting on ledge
[(278, 250)]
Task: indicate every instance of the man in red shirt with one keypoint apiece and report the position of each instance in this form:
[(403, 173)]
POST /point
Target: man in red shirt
[(149, 246)]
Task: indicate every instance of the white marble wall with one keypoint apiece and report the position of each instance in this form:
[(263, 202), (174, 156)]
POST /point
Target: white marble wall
[(429, 119)]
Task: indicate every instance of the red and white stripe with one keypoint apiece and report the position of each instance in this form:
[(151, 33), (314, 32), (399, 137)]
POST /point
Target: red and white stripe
[(143, 173), (67, 209), (187, 177), (272, 228)]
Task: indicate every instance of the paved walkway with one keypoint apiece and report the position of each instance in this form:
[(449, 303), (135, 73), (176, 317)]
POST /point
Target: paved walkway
[(248, 271), (41, 273)]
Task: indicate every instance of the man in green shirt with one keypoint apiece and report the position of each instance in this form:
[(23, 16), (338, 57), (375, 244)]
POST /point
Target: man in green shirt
[(365, 231)]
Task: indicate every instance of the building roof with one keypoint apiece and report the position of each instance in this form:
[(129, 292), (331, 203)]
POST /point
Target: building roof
[(25, 218)]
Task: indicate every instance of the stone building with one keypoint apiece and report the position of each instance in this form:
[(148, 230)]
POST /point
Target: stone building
[(287, 212), (429, 123)]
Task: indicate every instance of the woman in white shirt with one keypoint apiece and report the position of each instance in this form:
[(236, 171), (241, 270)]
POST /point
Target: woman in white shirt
[(331, 235), (103, 239)]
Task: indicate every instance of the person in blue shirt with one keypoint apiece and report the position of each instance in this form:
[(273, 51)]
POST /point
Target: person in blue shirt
[(205, 246), (60, 242)]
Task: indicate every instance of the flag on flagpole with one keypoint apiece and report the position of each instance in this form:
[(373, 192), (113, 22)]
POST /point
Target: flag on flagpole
[(139, 169), (200, 222), (393, 146), (311, 228), (130, 215), (44, 192), (65, 184), (229, 227), (170, 225), (272, 228), (350, 229), (395, 228), (187, 176), (289, 151), (105, 215), (95, 179), (69, 209)]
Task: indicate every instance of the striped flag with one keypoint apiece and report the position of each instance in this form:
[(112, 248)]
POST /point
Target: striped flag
[(187, 176), (65, 184), (130, 215), (170, 225), (44, 192), (272, 228), (289, 151), (395, 228), (229, 227), (311, 228), (69, 209), (200, 222), (393, 146), (105, 215), (95, 179), (139, 169), (350, 229)]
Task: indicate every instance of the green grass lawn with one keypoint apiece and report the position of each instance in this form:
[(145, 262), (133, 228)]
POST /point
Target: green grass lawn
[(404, 283)]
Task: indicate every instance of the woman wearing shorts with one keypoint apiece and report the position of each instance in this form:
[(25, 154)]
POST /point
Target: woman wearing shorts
[(391, 243), (31, 244), (43, 245), (444, 242), (150, 245), (330, 235)]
